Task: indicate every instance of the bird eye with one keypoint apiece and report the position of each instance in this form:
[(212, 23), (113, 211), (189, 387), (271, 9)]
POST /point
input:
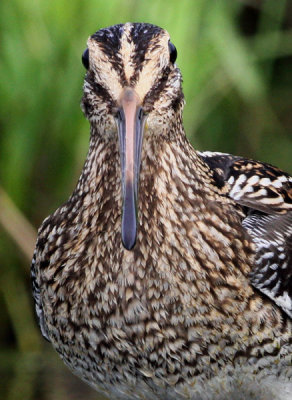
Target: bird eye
[(85, 58), (172, 52)]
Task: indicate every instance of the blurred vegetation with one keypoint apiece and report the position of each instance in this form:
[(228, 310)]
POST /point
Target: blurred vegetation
[(236, 60)]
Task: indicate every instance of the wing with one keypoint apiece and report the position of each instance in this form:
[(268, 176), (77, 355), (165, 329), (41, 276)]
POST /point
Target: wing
[(265, 192), (37, 299)]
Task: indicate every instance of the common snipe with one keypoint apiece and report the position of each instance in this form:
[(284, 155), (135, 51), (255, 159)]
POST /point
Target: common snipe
[(167, 273)]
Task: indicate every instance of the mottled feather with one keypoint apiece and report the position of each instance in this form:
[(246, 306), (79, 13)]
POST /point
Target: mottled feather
[(266, 193), (177, 316)]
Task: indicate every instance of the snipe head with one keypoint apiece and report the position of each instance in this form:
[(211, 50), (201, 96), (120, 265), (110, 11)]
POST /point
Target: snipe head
[(132, 89)]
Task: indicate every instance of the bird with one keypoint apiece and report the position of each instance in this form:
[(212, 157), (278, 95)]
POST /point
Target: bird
[(168, 272)]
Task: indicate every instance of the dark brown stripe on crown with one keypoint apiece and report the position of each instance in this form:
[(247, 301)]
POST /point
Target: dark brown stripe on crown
[(141, 35), (109, 40)]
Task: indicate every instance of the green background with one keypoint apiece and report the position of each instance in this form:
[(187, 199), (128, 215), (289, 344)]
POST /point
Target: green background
[(236, 60)]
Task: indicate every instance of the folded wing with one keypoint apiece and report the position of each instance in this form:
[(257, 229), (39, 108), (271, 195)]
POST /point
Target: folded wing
[(265, 194)]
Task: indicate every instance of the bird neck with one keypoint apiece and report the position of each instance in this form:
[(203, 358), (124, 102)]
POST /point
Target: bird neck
[(166, 161)]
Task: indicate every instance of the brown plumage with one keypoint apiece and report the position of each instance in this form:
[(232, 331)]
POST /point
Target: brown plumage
[(167, 273)]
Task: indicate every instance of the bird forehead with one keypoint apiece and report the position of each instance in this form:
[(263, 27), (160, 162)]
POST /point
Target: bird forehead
[(140, 34), (129, 54)]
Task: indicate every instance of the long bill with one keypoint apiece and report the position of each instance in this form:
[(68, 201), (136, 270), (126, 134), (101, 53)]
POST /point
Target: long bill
[(130, 121)]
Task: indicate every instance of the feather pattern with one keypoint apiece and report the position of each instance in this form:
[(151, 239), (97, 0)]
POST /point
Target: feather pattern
[(266, 193), (196, 304), (37, 299)]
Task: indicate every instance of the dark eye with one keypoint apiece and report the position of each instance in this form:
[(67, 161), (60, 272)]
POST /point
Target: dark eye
[(85, 58), (172, 52)]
